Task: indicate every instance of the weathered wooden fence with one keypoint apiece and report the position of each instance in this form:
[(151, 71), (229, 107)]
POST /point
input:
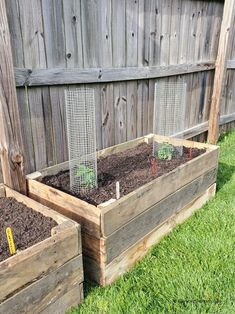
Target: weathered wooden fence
[(228, 97), (121, 48)]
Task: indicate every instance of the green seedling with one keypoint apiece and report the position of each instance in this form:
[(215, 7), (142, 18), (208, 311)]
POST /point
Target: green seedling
[(165, 151), (87, 174)]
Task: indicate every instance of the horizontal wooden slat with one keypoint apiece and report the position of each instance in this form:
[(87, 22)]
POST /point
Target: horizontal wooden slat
[(39, 295), (141, 225), (231, 64), (71, 298), (195, 130), (120, 212), (43, 257), (227, 118), (203, 127), (128, 258), (85, 214), (62, 76), (26, 266), (122, 147)]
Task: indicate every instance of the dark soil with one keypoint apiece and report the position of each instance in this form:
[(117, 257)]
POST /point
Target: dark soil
[(28, 226), (132, 168)]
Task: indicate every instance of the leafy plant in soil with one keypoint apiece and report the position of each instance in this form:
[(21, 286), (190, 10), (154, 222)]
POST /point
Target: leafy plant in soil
[(87, 174), (165, 151)]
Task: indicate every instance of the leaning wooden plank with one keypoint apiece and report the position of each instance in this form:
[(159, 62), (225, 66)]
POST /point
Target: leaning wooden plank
[(127, 259), (39, 295), (137, 228), (129, 206), (220, 70), (73, 297), (87, 215), (39, 259)]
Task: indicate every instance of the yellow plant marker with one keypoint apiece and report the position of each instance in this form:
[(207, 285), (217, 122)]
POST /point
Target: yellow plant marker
[(10, 241)]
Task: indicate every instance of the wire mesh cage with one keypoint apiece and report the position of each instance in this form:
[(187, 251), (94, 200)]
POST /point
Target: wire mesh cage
[(81, 132), (169, 115)]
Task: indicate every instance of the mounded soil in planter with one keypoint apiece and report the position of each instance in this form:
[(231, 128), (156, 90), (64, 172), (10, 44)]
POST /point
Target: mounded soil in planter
[(28, 226), (132, 168)]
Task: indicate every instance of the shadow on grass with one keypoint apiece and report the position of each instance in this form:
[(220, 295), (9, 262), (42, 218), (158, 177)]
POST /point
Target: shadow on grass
[(89, 287), (225, 173)]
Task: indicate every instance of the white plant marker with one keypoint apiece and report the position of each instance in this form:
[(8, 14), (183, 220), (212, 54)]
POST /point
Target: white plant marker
[(117, 190)]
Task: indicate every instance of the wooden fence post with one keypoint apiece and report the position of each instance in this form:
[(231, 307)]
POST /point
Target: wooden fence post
[(220, 70), (10, 128)]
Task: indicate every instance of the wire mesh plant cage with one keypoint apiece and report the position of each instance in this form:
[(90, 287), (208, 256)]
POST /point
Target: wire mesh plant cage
[(169, 116), (81, 132)]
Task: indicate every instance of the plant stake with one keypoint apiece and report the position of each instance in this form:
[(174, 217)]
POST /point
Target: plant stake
[(10, 240), (191, 153), (153, 165), (117, 190)]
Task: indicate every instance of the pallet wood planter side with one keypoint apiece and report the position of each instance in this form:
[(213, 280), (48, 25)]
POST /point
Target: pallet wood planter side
[(22, 274), (128, 258), (115, 227)]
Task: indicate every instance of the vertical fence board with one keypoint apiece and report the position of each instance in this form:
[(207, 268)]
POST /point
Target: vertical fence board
[(73, 33), (104, 34)]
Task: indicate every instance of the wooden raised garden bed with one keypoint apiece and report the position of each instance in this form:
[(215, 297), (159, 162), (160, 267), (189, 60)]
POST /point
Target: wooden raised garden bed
[(117, 233), (46, 277)]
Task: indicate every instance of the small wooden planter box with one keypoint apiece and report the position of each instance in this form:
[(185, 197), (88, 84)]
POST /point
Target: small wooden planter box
[(48, 276), (116, 234)]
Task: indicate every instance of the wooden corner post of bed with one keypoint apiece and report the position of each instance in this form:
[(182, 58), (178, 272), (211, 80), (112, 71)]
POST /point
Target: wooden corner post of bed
[(11, 144)]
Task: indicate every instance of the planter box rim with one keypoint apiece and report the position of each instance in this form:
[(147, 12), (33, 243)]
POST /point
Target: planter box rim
[(147, 138), (42, 258)]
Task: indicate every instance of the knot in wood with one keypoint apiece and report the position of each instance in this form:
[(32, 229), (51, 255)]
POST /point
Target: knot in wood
[(17, 158)]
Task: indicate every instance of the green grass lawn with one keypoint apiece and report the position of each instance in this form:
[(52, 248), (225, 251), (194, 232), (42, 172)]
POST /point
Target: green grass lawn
[(192, 270)]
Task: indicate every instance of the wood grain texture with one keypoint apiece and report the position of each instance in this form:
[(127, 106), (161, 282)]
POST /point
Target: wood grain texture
[(2, 190), (114, 215), (11, 143), (131, 232), (43, 257), (36, 297), (128, 258), (187, 180), (72, 298), (87, 215), (120, 47), (62, 76), (231, 64), (228, 14)]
